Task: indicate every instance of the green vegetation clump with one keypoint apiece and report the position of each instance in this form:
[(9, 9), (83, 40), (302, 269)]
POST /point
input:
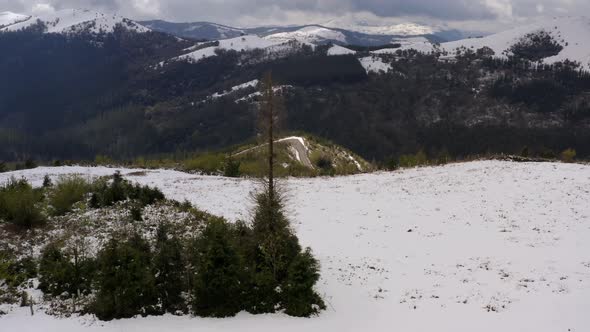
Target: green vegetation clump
[(169, 266), (67, 191), (125, 284), (218, 287), (568, 155), (231, 168), (208, 163), (15, 271), (222, 269), (20, 204), (105, 193), (63, 272)]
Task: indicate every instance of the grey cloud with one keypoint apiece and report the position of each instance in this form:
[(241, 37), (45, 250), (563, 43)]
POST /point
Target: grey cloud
[(289, 11)]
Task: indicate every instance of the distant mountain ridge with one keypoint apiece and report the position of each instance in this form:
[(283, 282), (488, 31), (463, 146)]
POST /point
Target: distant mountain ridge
[(214, 31), (74, 20)]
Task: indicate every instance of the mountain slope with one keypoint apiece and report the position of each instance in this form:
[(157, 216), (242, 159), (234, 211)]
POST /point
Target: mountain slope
[(196, 30), (9, 18), (78, 20), (374, 36), (571, 33), (310, 34)]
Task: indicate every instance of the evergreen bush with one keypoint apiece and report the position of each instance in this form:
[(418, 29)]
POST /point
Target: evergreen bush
[(231, 168), (299, 297), (62, 273), (125, 284), (169, 271), (217, 287)]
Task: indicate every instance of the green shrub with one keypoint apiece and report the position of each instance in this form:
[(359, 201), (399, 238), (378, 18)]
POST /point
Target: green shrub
[(217, 285), (136, 213), (209, 163), (169, 269), (47, 181), (14, 271), (325, 165), (299, 297), (275, 247), (61, 272), (231, 168), (125, 285), (19, 204), (413, 160), (118, 190), (55, 270), (568, 155), (68, 191)]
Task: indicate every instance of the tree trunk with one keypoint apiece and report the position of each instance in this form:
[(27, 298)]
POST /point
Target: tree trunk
[(270, 111)]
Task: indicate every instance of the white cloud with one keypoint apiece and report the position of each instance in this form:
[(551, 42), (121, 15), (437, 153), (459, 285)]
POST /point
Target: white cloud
[(147, 7), (502, 8), (540, 8), (42, 8)]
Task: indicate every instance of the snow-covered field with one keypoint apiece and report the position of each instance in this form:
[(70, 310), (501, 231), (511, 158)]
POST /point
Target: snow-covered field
[(482, 246)]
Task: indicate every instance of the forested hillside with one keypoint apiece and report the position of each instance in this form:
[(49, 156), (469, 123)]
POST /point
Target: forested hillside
[(76, 96)]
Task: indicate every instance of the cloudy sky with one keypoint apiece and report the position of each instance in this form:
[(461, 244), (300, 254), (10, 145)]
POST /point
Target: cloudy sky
[(475, 15)]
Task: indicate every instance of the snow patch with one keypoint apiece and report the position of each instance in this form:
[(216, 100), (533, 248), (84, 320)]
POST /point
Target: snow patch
[(374, 64), (309, 34), (339, 50), (251, 84)]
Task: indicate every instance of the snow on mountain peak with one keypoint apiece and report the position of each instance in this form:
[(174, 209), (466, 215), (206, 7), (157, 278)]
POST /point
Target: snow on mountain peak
[(79, 20), (239, 44), (569, 32), (373, 25), (9, 18), (309, 34)]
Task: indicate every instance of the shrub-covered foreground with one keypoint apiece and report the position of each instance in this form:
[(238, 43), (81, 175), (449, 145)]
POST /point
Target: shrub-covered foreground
[(117, 250)]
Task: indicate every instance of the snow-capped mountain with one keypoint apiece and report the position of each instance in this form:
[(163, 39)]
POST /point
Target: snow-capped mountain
[(310, 34), (380, 28), (330, 32), (571, 33), (239, 44), (9, 18), (196, 30), (78, 20)]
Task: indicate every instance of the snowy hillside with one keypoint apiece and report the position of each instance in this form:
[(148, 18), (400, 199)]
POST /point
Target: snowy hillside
[(239, 44), (483, 246), (78, 20), (9, 18), (419, 44), (196, 30), (339, 50), (402, 29), (310, 34), (570, 32)]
